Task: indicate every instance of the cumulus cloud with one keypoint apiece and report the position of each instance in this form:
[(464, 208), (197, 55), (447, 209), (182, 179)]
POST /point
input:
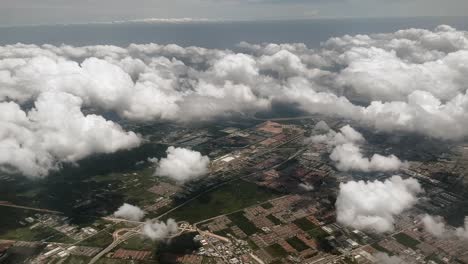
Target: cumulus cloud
[(53, 132), (129, 212), (372, 205), (348, 157), (347, 153), (412, 80), (182, 164), (347, 134), (436, 226), (321, 127), (160, 231)]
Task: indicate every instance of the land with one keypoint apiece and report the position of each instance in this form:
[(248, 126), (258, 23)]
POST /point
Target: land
[(250, 208)]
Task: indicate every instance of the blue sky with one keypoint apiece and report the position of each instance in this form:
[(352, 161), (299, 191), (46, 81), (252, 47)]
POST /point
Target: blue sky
[(71, 11)]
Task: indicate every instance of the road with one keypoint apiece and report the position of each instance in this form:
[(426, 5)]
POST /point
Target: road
[(8, 204), (243, 177), (124, 237), (117, 240), (131, 232)]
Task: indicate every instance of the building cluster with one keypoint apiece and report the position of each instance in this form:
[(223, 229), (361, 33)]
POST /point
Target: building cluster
[(299, 226)]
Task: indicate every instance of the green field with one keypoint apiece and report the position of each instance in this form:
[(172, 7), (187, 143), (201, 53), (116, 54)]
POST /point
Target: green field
[(267, 205), (138, 243), (297, 244), (102, 239), (243, 223), (85, 260), (314, 231), (229, 198), (276, 251), (406, 240), (381, 249), (305, 224), (37, 234), (273, 219)]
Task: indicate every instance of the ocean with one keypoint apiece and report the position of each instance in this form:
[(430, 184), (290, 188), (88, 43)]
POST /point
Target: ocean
[(221, 35)]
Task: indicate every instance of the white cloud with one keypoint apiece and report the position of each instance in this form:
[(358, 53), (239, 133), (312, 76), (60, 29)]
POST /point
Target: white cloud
[(412, 80), (321, 127), (372, 205), (182, 164), (160, 231), (347, 153), (348, 157), (53, 132), (130, 212), (437, 227), (323, 134)]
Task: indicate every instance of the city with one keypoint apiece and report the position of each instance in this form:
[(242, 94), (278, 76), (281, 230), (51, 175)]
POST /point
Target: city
[(269, 197)]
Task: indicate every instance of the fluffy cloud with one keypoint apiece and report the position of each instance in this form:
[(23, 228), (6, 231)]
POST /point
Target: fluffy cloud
[(372, 205), (130, 212), (323, 134), (348, 157), (347, 153), (55, 131), (411, 80), (182, 164), (159, 231), (437, 227)]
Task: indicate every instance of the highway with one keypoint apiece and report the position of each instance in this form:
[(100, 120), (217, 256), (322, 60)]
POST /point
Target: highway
[(129, 233), (118, 239), (246, 176)]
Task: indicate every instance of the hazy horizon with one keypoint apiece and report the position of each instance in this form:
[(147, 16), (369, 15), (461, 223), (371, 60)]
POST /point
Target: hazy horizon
[(15, 12), (217, 34)]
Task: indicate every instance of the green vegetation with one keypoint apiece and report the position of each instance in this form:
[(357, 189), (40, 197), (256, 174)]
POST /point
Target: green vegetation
[(305, 224), (133, 186), (350, 260), (314, 231), (137, 191), (102, 239), (85, 260), (223, 232), (137, 243), (181, 245), (243, 223), (273, 219), (37, 234), (434, 258), (77, 260), (276, 251), (224, 200), (114, 261), (380, 248), (267, 205), (406, 240), (252, 244), (276, 262), (297, 244), (21, 254), (317, 233)]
